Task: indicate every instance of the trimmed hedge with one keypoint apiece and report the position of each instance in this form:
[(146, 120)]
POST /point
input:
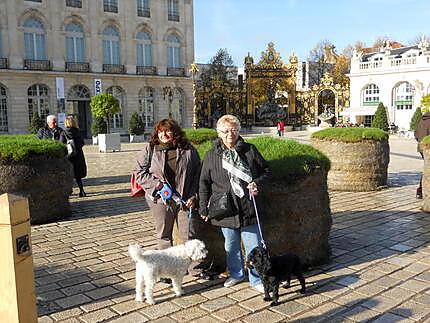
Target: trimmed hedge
[(288, 159), (21, 147), (200, 135), (351, 134)]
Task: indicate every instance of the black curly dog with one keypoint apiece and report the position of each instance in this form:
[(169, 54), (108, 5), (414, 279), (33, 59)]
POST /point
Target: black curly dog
[(274, 270)]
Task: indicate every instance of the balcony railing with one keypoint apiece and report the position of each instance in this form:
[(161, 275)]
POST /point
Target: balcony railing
[(146, 70), (143, 12), (173, 17), (403, 61), (367, 65), (175, 71), (77, 67), (114, 68), (37, 65), (3, 63)]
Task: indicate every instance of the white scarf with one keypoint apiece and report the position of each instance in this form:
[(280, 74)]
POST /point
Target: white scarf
[(237, 170)]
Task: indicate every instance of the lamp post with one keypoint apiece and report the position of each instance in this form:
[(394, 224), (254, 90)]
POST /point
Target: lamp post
[(193, 71)]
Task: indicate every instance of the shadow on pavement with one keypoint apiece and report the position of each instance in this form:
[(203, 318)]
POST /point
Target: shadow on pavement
[(403, 178)]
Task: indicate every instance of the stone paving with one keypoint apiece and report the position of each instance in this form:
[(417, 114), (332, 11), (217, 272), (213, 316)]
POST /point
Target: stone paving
[(379, 272)]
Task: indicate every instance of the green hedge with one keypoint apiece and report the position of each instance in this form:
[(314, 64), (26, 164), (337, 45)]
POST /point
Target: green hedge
[(200, 135), (351, 134), (21, 147), (288, 159)]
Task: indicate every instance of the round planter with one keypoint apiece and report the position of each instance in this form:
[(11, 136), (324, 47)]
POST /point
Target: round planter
[(45, 181), (426, 179), (356, 166), (300, 223)]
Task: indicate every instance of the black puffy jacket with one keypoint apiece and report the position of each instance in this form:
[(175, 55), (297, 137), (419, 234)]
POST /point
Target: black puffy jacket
[(214, 179)]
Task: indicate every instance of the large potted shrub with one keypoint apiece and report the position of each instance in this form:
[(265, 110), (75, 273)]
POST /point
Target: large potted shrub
[(380, 119), (297, 217), (359, 157), (38, 170), (35, 124), (136, 128), (104, 106)]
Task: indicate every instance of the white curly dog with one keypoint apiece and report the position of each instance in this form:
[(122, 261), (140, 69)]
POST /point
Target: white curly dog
[(171, 263)]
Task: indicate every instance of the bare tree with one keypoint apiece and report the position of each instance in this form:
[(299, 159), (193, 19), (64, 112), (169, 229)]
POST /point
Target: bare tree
[(416, 40), (317, 62)]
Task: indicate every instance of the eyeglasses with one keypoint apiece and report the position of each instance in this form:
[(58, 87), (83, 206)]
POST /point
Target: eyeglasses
[(226, 131)]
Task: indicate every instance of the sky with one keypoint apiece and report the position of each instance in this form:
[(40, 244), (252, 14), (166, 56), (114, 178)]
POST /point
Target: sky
[(243, 26)]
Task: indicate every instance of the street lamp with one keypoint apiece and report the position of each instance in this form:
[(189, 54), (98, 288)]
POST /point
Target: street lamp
[(193, 71)]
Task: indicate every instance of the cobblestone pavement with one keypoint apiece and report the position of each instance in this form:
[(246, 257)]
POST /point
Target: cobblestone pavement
[(380, 269)]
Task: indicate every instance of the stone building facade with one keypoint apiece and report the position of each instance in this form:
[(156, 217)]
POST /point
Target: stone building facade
[(397, 76), (55, 55)]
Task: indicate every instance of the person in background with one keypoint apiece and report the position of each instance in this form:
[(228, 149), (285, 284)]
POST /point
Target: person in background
[(169, 158), (51, 130), (78, 160), (235, 166), (423, 129), (280, 127)]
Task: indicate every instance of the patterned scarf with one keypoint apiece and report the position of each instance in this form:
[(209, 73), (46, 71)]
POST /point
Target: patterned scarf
[(237, 170)]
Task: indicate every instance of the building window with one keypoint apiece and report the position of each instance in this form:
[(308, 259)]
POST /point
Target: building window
[(75, 43), (371, 95), (34, 39), (144, 49), (143, 8), (146, 106), (3, 110), (403, 96), (368, 121), (111, 49), (110, 6), (34, 0), (38, 101), (74, 3), (172, 10), (173, 52), (117, 122)]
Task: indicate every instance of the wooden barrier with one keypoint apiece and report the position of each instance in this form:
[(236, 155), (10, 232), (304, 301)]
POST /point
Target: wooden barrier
[(17, 296)]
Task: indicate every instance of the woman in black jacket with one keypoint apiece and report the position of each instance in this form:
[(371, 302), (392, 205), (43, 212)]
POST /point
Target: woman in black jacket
[(78, 160), (237, 167)]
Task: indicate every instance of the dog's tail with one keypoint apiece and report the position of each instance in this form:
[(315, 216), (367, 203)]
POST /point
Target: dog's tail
[(135, 252)]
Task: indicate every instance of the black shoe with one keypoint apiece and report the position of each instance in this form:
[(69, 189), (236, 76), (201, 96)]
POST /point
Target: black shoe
[(165, 280), (419, 193), (82, 194)]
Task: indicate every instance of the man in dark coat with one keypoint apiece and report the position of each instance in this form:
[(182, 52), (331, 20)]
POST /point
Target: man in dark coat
[(51, 130), (423, 129)]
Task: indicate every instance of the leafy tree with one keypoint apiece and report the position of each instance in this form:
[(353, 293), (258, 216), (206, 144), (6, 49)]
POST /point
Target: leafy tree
[(136, 126), (425, 101), (416, 118), (98, 126), (380, 119), (341, 68), (35, 124), (220, 68), (318, 65), (105, 106)]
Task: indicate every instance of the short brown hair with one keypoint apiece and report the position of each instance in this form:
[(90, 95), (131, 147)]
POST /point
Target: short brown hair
[(179, 138)]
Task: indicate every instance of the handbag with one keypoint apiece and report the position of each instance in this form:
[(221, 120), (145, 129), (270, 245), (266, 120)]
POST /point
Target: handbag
[(221, 205), (71, 148), (136, 189)]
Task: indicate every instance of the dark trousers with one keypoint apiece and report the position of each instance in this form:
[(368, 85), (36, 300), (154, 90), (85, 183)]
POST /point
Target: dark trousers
[(165, 218)]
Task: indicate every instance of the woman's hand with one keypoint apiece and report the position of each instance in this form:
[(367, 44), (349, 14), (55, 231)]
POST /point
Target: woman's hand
[(252, 187), (191, 202)]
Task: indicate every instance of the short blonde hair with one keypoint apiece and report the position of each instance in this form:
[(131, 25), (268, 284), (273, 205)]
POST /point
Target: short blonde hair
[(228, 119), (70, 122)]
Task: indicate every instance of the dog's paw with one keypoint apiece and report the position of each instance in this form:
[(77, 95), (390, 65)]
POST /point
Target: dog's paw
[(302, 291), (150, 301), (274, 303), (285, 285), (267, 299), (179, 293)]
